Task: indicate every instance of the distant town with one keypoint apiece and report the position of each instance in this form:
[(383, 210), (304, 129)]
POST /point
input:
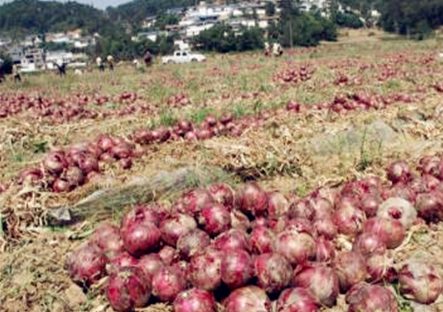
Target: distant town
[(30, 56)]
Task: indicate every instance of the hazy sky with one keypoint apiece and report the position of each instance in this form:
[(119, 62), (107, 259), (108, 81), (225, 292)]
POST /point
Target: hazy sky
[(101, 4)]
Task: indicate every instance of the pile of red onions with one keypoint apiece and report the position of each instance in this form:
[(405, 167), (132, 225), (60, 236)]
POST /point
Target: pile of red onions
[(246, 247)]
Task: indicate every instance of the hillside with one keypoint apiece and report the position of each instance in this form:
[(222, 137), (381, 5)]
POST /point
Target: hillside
[(32, 16)]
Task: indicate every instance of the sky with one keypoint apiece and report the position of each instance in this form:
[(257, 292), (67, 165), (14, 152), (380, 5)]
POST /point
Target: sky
[(100, 4)]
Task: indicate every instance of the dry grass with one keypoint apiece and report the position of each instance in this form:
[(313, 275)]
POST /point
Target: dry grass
[(289, 153)]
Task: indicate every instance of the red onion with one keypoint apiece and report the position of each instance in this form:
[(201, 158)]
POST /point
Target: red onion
[(176, 226), (251, 199), (273, 272), (61, 186), (150, 264), (379, 268), (399, 171), (128, 289), (86, 264), (348, 217), (300, 225), (296, 300), (204, 134), (324, 250), (401, 190), (121, 260), (30, 176), (278, 205), (247, 299), (236, 268), (231, 240), (182, 268), (107, 158), (205, 269), (430, 165), (351, 269), (420, 281), (105, 143), (211, 120), (196, 200), (260, 221), (107, 238), (321, 281), (390, 232), (322, 208), (168, 255), (125, 163), (188, 244), (368, 244), (226, 118), (369, 205), (222, 194), (55, 162), (261, 240), (140, 214), (215, 219), (430, 181), (194, 300), (418, 185), (191, 136), (239, 221), (326, 228), (122, 150), (74, 176), (398, 209), (295, 247), (88, 164), (430, 207), (184, 125), (301, 209), (373, 185), (167, 284), (353, 190), (371, 298), (140, 238)]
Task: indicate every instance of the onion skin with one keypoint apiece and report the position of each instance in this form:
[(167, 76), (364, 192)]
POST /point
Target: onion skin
[(273, 272), (86, 265), (176, 226), (215, 219), (351, 269), (128, 289), (399, 172), (324, 250), (390, 232), (139, 238), (368, 244), (247, 299), (168, 255), (194, 300), (231, 240), (326, 228), (251, 199), (150, 264), (321, 281), (194, 201), (398, 209), (167, 284), (236, 268), (205, 269), (55, 162), (297, 248), (107, 238), (278, 205), (348, 217), (296, 300), (222, 194), (370, 298), (420, 281), (140, 214), (191, 242), (239, 221), (261, 240), (430, 207)]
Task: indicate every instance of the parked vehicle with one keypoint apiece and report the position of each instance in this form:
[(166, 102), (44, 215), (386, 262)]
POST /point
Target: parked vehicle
[(180, 57)]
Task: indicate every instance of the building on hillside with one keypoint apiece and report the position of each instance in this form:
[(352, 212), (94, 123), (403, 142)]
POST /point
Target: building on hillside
[(16, 54), (5, 42), (149, 22), (33, 59)]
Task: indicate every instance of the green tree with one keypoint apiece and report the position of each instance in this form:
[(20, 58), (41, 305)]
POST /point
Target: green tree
[(270, 8)]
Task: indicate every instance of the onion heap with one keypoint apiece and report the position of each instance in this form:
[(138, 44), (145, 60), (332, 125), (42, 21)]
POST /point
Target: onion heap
[(243, 248)]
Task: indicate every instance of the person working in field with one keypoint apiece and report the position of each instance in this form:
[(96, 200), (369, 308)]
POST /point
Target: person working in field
[(1, 70), (100, 65), (16, 73), (61, 66), (110, 60), (277, 50), (267, 49), (147, 58)]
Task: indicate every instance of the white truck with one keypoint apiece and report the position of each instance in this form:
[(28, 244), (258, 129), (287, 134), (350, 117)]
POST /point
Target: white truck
[(180, 57)]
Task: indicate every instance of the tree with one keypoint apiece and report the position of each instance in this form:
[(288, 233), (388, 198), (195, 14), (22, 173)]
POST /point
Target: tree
[(270, 8)]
